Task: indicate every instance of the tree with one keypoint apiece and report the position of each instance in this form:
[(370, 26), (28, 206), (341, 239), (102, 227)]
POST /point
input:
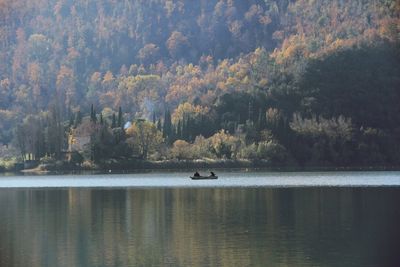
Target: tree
[(39, 47), (336, 85), (20, 137), (177, 44), (144, 137), (5, 93), (93, 116), (120, 118), (78, 119), (148, 54), (76, 158), (66, 89), (224, 145), (167, 127), (181, 150), (272, 151), (114, 122), (55, 133)]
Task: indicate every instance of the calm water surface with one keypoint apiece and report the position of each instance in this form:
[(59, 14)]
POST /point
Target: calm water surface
[(226, 179), (253, 219)]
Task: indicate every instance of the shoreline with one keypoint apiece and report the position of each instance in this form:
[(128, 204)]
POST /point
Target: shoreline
[(189, 166)]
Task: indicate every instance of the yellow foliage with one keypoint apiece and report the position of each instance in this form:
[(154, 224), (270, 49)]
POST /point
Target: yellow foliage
[(232, 81), (187, 109), (144, 137), (108, 77), (246, 80), (65, 77), (390, 29), (192, 70), (95, 78), (265, 20), (222, 86), (263, 83), (181, 150), (5, 84), (224, 144), (34, 72), (72, 53), (222, 137)]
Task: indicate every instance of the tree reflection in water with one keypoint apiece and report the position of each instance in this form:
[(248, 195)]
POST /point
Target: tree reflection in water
[(199, 227)]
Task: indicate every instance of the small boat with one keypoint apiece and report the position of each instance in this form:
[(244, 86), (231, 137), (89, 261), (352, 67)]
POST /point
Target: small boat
[(203, 177)]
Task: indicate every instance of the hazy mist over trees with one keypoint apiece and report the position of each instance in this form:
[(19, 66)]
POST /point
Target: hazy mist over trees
[(288, 82)]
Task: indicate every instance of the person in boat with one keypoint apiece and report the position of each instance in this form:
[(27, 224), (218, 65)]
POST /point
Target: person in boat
[(212, 174), (196, 174)]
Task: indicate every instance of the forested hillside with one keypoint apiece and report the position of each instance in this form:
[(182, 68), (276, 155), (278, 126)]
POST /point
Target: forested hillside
[(307, 82)]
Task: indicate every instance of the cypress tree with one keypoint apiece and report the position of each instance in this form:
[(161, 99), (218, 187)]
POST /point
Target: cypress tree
[(93, 116), (192, 128), (179, 131), (184, 128), (250, 112), (261, 124), (159, 127), (167, 128), (114, 122), (91, 112), (69, 112), (120, 119), (78, 119), (189, 128)]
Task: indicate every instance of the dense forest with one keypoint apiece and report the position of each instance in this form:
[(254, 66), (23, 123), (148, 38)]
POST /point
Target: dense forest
[(302, 83)]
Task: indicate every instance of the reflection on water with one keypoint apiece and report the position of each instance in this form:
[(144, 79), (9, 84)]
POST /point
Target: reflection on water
[(200, 227)]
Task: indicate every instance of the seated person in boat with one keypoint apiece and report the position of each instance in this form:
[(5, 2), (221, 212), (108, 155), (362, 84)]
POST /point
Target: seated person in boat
[(212, 174), (196, 174)]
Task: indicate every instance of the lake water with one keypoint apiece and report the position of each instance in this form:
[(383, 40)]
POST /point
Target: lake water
[(241, 219)]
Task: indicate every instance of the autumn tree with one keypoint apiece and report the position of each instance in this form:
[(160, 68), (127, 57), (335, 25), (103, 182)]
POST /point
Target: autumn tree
[(66, 90), (144, 137), (177, 44), (148, 54)]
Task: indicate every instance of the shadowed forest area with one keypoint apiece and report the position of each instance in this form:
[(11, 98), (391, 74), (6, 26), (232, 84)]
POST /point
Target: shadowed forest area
[(283, 83)]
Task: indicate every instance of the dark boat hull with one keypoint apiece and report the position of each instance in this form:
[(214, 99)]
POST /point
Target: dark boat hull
[(203, 177)]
